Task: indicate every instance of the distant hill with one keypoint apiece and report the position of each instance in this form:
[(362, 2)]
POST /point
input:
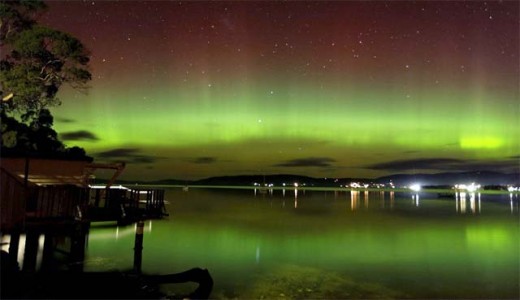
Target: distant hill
[(249, 180), (277, 180), (480, 177)]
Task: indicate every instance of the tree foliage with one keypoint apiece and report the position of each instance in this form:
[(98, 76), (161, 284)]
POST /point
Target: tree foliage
[(38, 138), (16, 16), (35, 62)]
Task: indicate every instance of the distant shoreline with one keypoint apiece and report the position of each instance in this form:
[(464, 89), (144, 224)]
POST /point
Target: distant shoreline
[(333, 189)]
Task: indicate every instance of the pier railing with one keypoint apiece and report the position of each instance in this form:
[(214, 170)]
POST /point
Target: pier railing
[(124, 203), (65, 201)]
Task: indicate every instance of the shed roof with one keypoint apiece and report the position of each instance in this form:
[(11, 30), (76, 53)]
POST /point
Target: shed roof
[(44, 172)]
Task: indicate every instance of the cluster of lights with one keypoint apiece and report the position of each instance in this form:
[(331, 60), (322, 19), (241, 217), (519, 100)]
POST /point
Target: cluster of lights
[(467, 187), (265, 184), (415, 187), (296, 184), (114, 187), (513, 189), (358, 185)]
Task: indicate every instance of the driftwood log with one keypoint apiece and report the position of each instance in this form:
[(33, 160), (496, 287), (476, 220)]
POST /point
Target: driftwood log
[(198, 275), (18, 284)]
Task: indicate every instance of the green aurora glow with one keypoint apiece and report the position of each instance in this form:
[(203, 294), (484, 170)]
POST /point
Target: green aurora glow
[(248, 112)]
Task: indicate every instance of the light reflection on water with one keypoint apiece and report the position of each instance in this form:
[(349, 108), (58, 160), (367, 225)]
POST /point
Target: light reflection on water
[(462, 199), (116, 232), (383, 244)]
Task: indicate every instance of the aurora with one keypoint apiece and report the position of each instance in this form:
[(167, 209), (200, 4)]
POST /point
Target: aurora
[(199, 89)]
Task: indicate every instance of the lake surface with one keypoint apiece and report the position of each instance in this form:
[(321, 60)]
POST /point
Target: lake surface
[(317, 244)]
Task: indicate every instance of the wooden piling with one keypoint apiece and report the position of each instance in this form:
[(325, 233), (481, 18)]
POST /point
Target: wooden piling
[(30, 251), (138, 247)]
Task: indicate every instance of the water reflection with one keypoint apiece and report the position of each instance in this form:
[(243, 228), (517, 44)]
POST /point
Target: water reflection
[(242, 239), (513, 201), (384, 202), (354, 199), (295, 198), (465, 202), (107, 231), (257, 255), (36, 251), (415, 200), (5, 240), (460, 202), (462, 199), (39, 253), (263, 191), (21, 250)]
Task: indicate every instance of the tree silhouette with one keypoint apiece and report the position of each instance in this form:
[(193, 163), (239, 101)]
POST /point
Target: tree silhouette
[(35, 62), (38, 60)]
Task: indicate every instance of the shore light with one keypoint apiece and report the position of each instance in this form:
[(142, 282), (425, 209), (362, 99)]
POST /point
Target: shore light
[(468, 187), (415, 187), (472, 187), (460, 187)]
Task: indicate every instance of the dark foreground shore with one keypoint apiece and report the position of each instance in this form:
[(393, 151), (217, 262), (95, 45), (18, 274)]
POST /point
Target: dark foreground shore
[(18, 284)]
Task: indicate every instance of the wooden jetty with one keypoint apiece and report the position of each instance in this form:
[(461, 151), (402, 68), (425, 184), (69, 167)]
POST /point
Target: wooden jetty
[(44, 201), (125, 205)]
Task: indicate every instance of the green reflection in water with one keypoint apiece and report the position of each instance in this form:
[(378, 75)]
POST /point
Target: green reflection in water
[(327, 245)]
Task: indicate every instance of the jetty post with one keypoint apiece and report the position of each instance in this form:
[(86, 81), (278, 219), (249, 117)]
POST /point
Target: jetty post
[(138, 246)]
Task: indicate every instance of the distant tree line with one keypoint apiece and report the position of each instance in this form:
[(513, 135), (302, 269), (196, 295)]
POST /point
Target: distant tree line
[(35, 62)]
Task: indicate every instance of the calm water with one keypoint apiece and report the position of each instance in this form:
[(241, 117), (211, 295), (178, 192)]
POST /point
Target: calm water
[(315, 244)]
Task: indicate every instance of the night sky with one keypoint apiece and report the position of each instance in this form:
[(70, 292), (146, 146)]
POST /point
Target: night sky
[(326, 89)]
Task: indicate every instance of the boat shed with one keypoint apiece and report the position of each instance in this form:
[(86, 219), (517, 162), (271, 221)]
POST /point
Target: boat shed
[(36, 189)]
